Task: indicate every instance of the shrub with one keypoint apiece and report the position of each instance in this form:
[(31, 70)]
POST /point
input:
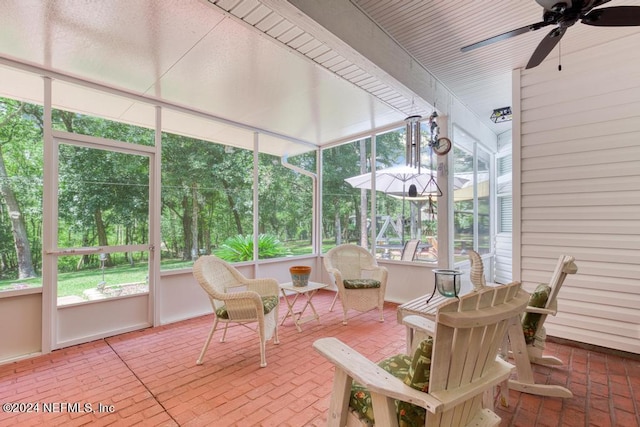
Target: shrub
[(240, 248)]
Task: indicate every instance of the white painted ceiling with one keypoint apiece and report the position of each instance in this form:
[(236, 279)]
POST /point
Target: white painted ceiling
[(434, 31), (225, 69)]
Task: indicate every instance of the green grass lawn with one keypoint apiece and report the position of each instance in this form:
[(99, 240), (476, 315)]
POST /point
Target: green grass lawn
[(74, 283)]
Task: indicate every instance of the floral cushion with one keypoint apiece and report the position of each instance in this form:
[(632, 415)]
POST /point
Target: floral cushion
[(397, 365), (530, 321), (414, 372), (268, 304), (420, 369), (361, 283)]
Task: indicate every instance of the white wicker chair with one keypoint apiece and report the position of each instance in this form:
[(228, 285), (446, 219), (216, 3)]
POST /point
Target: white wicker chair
[(236, 299), (350, 262)]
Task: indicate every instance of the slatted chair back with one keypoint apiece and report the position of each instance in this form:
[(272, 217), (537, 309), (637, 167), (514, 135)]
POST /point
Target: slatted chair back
[(565, 265), (409, 250), (468, 336)]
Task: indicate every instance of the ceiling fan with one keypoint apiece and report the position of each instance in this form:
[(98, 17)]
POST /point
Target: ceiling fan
[(564, 14)]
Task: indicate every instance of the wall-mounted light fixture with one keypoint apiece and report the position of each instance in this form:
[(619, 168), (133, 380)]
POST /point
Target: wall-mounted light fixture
[(500, 115)]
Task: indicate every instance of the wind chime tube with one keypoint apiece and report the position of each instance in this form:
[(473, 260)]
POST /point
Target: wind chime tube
[(412, 153), (416, 144), (407, 155)]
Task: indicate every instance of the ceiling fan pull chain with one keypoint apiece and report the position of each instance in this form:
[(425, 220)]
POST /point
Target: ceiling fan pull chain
[(560, 56)]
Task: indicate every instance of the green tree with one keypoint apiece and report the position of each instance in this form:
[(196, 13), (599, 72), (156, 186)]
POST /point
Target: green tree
[(205, 186), (103, 195), (285, 199), (17, 145)]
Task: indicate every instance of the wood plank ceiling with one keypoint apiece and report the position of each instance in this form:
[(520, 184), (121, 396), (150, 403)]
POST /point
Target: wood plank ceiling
[(434, 31)]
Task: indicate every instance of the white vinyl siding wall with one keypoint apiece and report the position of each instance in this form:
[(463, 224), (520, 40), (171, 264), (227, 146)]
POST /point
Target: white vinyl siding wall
[(579, 189)]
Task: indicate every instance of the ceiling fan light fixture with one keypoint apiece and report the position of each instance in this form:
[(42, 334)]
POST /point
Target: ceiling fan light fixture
[(500, 115)]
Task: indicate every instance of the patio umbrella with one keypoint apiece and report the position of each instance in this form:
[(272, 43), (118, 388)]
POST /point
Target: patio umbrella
[(397, 180)]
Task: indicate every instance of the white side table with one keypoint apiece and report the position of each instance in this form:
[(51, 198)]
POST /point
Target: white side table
[(308, 291)]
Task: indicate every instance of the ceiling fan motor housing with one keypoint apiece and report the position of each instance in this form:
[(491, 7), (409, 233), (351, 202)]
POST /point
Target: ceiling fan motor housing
[(554, 5)]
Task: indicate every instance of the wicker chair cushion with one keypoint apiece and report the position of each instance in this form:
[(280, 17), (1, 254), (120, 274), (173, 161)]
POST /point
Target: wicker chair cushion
[(268, 304), (414, 372), (361, 283), (530, 321)]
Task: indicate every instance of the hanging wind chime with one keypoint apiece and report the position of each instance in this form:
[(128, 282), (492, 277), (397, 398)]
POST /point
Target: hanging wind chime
[(433, 135), (440, 146)]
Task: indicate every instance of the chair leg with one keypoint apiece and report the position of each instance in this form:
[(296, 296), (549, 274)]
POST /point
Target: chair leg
[(381, 308), (276, 340), (224, 333), (333, 303), (504, 393), (488, 398), (536, 351), (504, 386), (339, 403), (206, 343), (263, 357)]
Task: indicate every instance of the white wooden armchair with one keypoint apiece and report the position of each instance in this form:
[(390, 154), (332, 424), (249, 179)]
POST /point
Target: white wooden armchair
[(536, 313), (527, 337), (361, 282), (464, 366), (237, 299)]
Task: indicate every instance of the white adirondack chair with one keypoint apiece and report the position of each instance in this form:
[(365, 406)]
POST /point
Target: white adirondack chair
[(565, 266), (524, 354), (466, 335)]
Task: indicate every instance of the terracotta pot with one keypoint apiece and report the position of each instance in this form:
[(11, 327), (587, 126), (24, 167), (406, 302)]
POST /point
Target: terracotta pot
[(300, 275)]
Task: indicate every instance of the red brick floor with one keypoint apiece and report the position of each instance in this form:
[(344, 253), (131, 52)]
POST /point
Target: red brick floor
[(149, 377)]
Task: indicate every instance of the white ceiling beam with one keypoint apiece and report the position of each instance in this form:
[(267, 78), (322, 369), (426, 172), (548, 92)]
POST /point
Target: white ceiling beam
[(351, 33)]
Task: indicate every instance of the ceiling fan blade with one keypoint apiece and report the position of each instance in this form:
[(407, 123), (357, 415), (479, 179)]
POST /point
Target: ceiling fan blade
[(546, 46), (614, 16), (505, 36)]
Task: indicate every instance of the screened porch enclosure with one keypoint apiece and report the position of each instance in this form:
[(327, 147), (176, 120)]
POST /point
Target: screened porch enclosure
[(230, 127), (114, 242)]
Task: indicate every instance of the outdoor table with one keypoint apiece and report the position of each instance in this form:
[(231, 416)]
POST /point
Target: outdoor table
[(308, 291)]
